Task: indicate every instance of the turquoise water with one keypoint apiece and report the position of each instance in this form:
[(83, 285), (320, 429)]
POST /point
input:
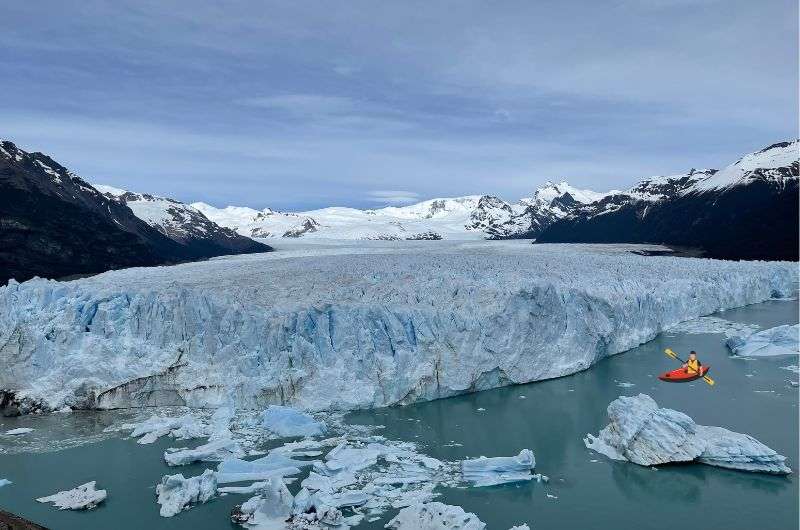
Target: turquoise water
[(586, 490)]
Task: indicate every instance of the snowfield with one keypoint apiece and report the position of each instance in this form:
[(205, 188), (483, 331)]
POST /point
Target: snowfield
[(324, 327)]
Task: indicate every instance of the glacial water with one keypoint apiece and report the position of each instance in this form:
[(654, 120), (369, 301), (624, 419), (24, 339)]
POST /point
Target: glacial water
[(586, 490)]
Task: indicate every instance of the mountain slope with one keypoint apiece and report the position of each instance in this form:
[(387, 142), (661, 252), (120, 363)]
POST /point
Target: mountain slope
[(54, 224), (748, 210), (183, 223)]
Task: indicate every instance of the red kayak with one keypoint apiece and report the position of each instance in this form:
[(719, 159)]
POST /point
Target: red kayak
[(681, 376)]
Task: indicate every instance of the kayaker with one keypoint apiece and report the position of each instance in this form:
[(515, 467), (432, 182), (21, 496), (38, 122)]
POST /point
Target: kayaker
[(692, 365)]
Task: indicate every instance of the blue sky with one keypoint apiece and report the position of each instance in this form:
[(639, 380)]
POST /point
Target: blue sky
[(297, 105)]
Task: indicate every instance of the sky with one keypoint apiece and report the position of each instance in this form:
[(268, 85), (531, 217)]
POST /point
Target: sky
[(298, 105)]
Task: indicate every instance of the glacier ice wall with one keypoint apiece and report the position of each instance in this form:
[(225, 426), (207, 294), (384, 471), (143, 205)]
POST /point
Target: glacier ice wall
[(352, 328)]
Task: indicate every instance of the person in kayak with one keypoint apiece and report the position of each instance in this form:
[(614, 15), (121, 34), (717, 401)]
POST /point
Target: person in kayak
[(692, 365)]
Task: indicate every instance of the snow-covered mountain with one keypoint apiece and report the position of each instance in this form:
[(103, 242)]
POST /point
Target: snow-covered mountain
[(181, 222), (469, 217), (56, 224), (748, 210)]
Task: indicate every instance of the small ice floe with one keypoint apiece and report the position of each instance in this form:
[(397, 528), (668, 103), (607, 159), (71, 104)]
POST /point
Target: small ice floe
[(780, 340), (642, 433), (177, 493), (523, 397), (275, 507), (274, 464), (4, 482), (269, 509), (625, 384), (18, 432), (452, 443), (83, 497), (709, 324), (499, 470), (550, 496), (287, 422), (481, 409), (792, 368), (182, 427), (213, 451), (748, 375), (434, 516)]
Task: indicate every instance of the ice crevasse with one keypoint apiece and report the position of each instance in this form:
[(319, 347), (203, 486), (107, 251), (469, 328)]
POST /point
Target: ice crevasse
[(350, 331)]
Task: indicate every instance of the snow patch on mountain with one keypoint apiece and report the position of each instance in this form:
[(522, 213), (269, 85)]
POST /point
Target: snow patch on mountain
[(770, 163)]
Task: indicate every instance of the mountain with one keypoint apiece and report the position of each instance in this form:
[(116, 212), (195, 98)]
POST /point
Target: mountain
[(549, 203), (183, 223), (748, 210), (55, 224), (468, 217)]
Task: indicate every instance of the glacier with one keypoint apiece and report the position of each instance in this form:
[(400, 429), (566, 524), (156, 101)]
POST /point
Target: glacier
[(332, 327), (642, 433)]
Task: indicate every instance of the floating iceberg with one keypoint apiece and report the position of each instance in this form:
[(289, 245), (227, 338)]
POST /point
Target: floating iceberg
[(176, 493), (781, 340), (357, 328), (642, 433), (499, 470), (288, 422), (19, 431), (268, 510), (182, 427), (213, 451), (435, 516), (83, 497), (4, 482), (274, 464)]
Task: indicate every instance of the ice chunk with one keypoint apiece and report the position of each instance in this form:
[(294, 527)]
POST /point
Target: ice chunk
[(435, 516), (499, 470), (642, 433), (267, 511), (781, 340), (151, 429), (83, 497), (19, 431), (4, 482), (176, 493), (274, 464), (286, 422), (347, 459), (214, 451)]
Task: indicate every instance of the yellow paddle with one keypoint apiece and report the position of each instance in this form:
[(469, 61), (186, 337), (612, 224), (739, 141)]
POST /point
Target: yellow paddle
[(675, 356)]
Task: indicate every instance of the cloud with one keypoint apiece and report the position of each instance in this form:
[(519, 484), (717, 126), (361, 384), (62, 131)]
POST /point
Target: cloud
[(393, 197), (305, 104), (291, 106)]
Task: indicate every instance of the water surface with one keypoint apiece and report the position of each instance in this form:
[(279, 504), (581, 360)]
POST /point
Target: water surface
[(586, 490)]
